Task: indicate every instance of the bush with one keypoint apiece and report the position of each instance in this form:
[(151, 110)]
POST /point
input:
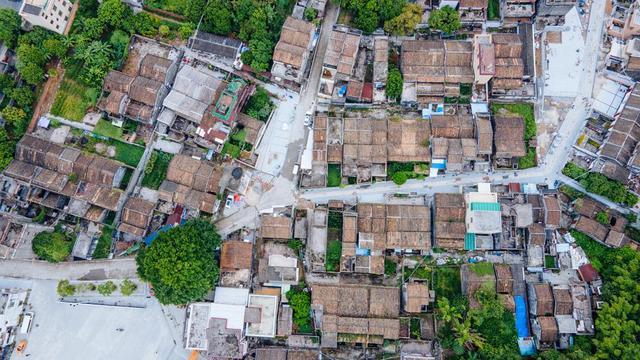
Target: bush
[(156, 170), (574, 171), (65, 289), (300, 302), (107, 288), (603, 218), (127, 287), (295, 244), (52, 246), (399, 178), (104, 244), (394, 83), (310, 14), (259, 105)]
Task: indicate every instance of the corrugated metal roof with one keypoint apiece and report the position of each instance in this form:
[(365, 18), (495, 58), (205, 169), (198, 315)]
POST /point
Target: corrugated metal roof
[(470, 241), (485, 206)]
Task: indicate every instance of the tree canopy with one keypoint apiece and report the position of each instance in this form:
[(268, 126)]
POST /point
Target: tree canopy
[(180, 263), (9, 27), (445, 19), (53, 246), (405, 23), (368, 15)]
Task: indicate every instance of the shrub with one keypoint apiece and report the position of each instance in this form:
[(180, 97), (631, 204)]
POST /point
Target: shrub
[(295, 244), (107, 288), (310, 14), (602, 217), (163, 30), (390, 267), (128, 287), (65, 289), (400, 178), (300, 302)]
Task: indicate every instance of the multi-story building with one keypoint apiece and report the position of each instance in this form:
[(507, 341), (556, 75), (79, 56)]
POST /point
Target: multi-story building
[(54, 15)]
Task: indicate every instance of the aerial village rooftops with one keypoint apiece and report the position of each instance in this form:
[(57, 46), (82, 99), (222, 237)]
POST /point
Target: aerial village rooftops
[(624, 135), (136, 216), (437, 61), (215, 45), (408, 141), (342, 51), (193, 91), (356, 300), (592, 228), (449, 220), (295, 42), (509, 137), (276, 227), (236, 255), (416, 297)]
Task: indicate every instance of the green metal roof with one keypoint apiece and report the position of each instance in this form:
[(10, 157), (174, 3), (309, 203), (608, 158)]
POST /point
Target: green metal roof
[(470, 241), (485, 206)]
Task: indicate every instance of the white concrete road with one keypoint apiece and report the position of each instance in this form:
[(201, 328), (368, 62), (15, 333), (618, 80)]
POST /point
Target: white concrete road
[(62, 331), (75, 270), (549, 168)]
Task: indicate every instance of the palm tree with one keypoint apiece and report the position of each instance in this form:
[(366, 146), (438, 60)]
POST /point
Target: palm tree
[(466, 336)]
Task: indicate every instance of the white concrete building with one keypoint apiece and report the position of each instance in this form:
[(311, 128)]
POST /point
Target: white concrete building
[(54, 15)]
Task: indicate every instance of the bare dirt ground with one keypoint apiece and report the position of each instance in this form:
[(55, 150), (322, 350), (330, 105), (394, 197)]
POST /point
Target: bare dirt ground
[(555, 110), (48, 95)]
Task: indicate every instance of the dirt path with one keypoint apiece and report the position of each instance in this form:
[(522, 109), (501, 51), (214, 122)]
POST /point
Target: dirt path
[(48, 95)]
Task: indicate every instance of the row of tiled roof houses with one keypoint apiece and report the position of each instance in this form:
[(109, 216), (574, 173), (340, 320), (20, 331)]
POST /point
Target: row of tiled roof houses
[(553, 301)]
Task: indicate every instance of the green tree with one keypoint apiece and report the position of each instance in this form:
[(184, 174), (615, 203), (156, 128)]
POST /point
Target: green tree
[(366, 18), (9, 27), (406, 22), (65, 289), (399, 178), (310, 14), (445, 19), (92, 28), (218, 16), (7, 148), (52, 246), (186, 30), (113, 12), (128, 287), (54, 48), (163, 30), (193, 10), (23, 96), (180, 263), (145, 24), (259, 105), (6, 83), (394, 83), (107, 288), (13, 115)]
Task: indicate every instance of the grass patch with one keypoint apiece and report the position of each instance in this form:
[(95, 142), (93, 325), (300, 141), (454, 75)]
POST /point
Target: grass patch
[(73, 99), (523, 109), (129, 154), (530, 129), (446, 282), (390, 267), (334, 251), (174, 6), (231, 150), (422, 272), (549, 262), (493, 10), (53, 246), (156, 169), (572, 193), (414, 327), (574, 171), (597, 253), (104, 244), (482, 268), (401, 172), (334, 177), (106, 128)]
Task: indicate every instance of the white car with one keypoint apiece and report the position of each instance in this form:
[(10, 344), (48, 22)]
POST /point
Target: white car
[(227, 204), (308, 118)]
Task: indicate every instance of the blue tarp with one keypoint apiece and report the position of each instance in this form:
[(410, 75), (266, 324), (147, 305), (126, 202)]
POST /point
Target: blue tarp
[(342, 90), (439, 165), (155, 234), (521, 316), (363, 252)]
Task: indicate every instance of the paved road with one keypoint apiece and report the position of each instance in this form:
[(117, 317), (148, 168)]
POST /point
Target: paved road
[(89, 270), (548, 170), (309, 92)]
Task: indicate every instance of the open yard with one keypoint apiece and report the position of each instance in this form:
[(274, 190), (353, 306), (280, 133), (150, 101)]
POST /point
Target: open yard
[(446, 282), (129, 154), (105, 128), (530, 130), (334, 177), (493, 10), (73, 99), (173, 6), (156, 169)]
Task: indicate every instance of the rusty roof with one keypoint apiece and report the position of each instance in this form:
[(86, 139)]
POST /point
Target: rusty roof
[(276, 227), (236, 255), (137, 212), (509, 137), (544, 299), (592, 228)]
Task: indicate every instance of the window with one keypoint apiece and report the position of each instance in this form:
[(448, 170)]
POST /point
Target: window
[(57, 26), (66, 18), (51, 22), (70, 8), (60, 13), (55, 8), (64, 3)]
